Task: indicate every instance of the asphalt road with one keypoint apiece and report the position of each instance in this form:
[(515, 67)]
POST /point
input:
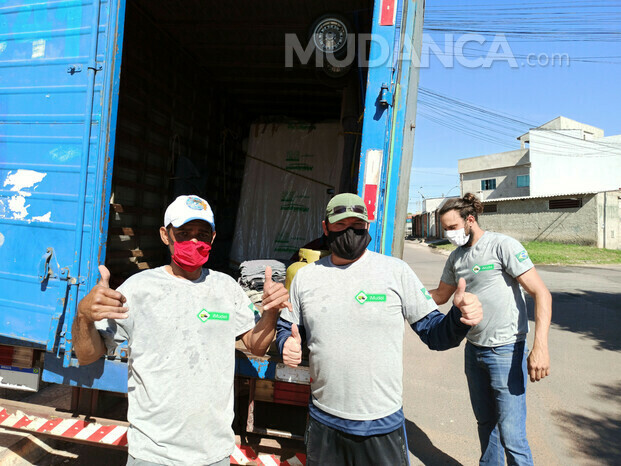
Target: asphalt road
[(574, 416)]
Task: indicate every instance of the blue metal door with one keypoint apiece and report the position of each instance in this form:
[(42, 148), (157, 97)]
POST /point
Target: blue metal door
[(389, 120), (59, 70)]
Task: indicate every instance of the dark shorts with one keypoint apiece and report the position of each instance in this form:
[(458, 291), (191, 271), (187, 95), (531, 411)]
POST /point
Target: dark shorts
[(326, 446)]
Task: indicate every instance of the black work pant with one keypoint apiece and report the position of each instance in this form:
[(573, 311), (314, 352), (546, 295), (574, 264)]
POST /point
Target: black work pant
[(326, 446)]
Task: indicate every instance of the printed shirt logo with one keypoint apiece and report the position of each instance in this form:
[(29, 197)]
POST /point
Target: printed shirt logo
[(196, 203), (363, 297), (253, 308), (204, 316), (522, 256), (425, 293), (479, 268)]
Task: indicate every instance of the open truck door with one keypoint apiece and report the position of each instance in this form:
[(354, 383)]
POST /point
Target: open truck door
[(198, 77), (389, 120), (59, 70)]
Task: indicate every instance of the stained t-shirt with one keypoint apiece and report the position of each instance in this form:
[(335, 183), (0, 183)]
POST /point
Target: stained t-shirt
[(353, 316), (490, 268), (181, 336)]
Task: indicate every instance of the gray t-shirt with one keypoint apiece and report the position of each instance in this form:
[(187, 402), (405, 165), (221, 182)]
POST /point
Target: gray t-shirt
[(490, 268), (181, 337), (354, 321)]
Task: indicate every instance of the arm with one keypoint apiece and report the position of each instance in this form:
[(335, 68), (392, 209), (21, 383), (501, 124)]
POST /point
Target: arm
[(87, 342), (442, 293), (441, 332), (100, 303), (289, 340), (259, 339), (275, 297), (284, 330), (539, 357)]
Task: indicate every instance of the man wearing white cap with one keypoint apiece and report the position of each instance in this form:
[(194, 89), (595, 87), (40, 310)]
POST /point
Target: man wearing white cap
[(181, 321)]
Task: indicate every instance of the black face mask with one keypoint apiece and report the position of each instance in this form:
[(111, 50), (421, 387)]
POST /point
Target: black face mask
[(349, 244)]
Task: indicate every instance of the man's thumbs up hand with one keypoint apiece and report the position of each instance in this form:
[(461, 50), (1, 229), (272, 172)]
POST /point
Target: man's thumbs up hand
[(292, 350), (275, 295), (295, 333), (468, 304), (105, 276), (102, 302)]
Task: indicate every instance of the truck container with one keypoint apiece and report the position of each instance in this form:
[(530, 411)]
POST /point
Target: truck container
[(111, 108)]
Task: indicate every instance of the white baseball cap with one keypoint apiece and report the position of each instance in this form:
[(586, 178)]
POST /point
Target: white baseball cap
[(187, 208)]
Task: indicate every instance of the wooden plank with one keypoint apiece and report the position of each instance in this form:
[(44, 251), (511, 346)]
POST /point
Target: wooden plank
[(124, 253), (264, 391)]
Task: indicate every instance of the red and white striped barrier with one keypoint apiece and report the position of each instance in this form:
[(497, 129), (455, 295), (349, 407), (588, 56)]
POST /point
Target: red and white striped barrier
[(67, 428), (246, 455), (114, 435)]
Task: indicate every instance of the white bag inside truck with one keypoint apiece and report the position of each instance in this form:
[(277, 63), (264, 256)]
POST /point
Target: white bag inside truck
[(292, 170)]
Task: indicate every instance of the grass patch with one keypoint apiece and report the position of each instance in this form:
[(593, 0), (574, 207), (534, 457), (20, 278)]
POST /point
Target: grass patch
[(445, 247), (545, 252)]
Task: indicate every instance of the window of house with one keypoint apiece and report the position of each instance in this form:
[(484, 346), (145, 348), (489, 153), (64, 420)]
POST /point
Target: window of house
[(486, 185), (490, 208), (523, 181), (564, 203)]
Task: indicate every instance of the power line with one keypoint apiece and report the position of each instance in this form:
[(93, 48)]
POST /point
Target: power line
[(573, 21), (497, 127)]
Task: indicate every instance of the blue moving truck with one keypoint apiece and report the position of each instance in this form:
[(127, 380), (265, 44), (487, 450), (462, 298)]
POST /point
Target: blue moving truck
[(110, 108)]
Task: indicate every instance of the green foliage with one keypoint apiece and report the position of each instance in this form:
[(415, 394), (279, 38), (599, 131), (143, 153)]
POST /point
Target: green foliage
[(545, 252)]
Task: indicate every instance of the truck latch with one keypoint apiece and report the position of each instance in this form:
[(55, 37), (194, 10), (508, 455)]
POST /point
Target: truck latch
[(48, 266), (385, 97)]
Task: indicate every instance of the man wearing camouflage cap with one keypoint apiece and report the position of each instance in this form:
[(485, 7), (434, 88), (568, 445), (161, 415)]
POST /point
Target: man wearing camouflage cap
[(350, 308)]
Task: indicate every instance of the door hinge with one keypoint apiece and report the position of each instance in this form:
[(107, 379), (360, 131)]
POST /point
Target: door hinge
[(385, 97)]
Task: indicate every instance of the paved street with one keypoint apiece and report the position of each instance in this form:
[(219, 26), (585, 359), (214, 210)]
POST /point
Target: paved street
[(574, 416)]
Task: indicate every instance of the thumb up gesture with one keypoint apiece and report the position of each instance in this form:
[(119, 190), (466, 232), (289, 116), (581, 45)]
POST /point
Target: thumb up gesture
[(468, 304), (292, 350), (102, 302), (275, 295)]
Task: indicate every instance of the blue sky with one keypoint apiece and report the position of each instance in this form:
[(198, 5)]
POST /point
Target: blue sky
[(587, 91)]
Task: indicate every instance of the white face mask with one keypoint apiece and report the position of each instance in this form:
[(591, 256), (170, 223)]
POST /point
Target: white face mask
[(457, 237)]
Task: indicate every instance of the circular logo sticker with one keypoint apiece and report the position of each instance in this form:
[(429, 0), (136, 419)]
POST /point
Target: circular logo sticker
[(196, 203)]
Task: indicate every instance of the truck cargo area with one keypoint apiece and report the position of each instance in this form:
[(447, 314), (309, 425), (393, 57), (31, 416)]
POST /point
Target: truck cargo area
[(199, 80), (116, 107)]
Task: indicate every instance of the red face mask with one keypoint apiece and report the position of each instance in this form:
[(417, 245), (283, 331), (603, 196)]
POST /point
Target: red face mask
[(190, 255)]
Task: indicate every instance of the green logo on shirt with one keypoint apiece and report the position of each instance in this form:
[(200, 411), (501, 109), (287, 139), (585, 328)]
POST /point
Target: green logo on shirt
[(425, 293), (363, 297), (522, 256), (253, 308), (479, 268), (204, 316)]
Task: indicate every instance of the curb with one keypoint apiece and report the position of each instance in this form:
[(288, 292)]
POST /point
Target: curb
[(22, 449)]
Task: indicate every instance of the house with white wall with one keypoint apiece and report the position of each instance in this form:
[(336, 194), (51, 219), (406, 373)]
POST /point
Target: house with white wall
[(563, 184), (559, 157)]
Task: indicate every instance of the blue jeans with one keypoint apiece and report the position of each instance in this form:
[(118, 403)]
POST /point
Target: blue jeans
[(497, 383)]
